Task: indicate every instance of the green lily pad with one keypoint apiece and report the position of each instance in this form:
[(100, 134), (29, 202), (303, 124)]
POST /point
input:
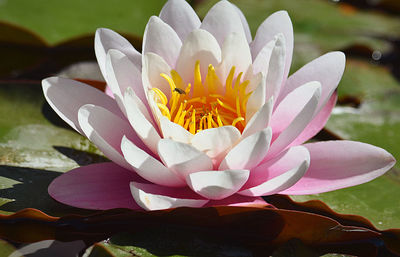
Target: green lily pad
[(57, 21), (33, 151)]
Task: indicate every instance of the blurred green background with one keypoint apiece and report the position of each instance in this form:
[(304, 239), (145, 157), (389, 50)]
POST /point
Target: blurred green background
[(38, 38)]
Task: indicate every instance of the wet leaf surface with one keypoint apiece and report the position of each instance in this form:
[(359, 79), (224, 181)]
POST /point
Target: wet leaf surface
[(214, 231)]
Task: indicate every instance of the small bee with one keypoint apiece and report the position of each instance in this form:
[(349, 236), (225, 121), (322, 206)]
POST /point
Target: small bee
[(180, 91)]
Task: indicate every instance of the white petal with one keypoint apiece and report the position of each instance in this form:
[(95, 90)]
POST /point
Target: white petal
[(249, 152), (148, 167), (153, 66), (235, 52), (278, 22), (161, 39), (121, 73), (174, 131), (99, 125), (140, 120), (278, 183), (221, 20), (142, 194), (275, 75), (183, 158), (260, 119), (106, 39), (217, 185), (297, 126), (180, 16), (262, 61), (216, 142), (245, 25), (66, 96), (201, 46), (257, 98)]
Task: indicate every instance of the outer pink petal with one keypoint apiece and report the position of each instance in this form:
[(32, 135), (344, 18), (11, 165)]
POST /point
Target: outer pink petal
[(291, 158), (340, 164), (317, 123), (180, 16), (66, 96), (278, 22), (99, 186), (327, 69)]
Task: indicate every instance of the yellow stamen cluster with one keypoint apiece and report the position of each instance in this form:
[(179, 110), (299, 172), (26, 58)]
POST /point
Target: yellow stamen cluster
[(204, 107)]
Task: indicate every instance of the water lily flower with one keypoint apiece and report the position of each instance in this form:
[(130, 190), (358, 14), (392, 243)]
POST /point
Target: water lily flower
[(206, 115)]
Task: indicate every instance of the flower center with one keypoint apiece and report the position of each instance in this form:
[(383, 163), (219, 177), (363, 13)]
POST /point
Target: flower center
[(204, 107)]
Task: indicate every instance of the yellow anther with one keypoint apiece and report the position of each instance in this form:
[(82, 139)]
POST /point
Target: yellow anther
[(204, 104)]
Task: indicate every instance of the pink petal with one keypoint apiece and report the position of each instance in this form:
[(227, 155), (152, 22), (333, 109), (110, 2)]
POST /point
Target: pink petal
[(291, 106), (340, 164), (106, 39), (149, 167), (221, 20), (153, 197), (99, 125), (141, 120), (278, 22), (201, 46), (278, 183), (161, 39), (249, 152), (66, 96), (291, 158), (180, 16), (298, 124), (99, 186), (121, 74), (327, 69), (317, 123), (183, 158)]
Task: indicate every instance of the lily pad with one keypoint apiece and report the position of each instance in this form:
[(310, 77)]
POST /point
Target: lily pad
[(57, 21), (34, 151)]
